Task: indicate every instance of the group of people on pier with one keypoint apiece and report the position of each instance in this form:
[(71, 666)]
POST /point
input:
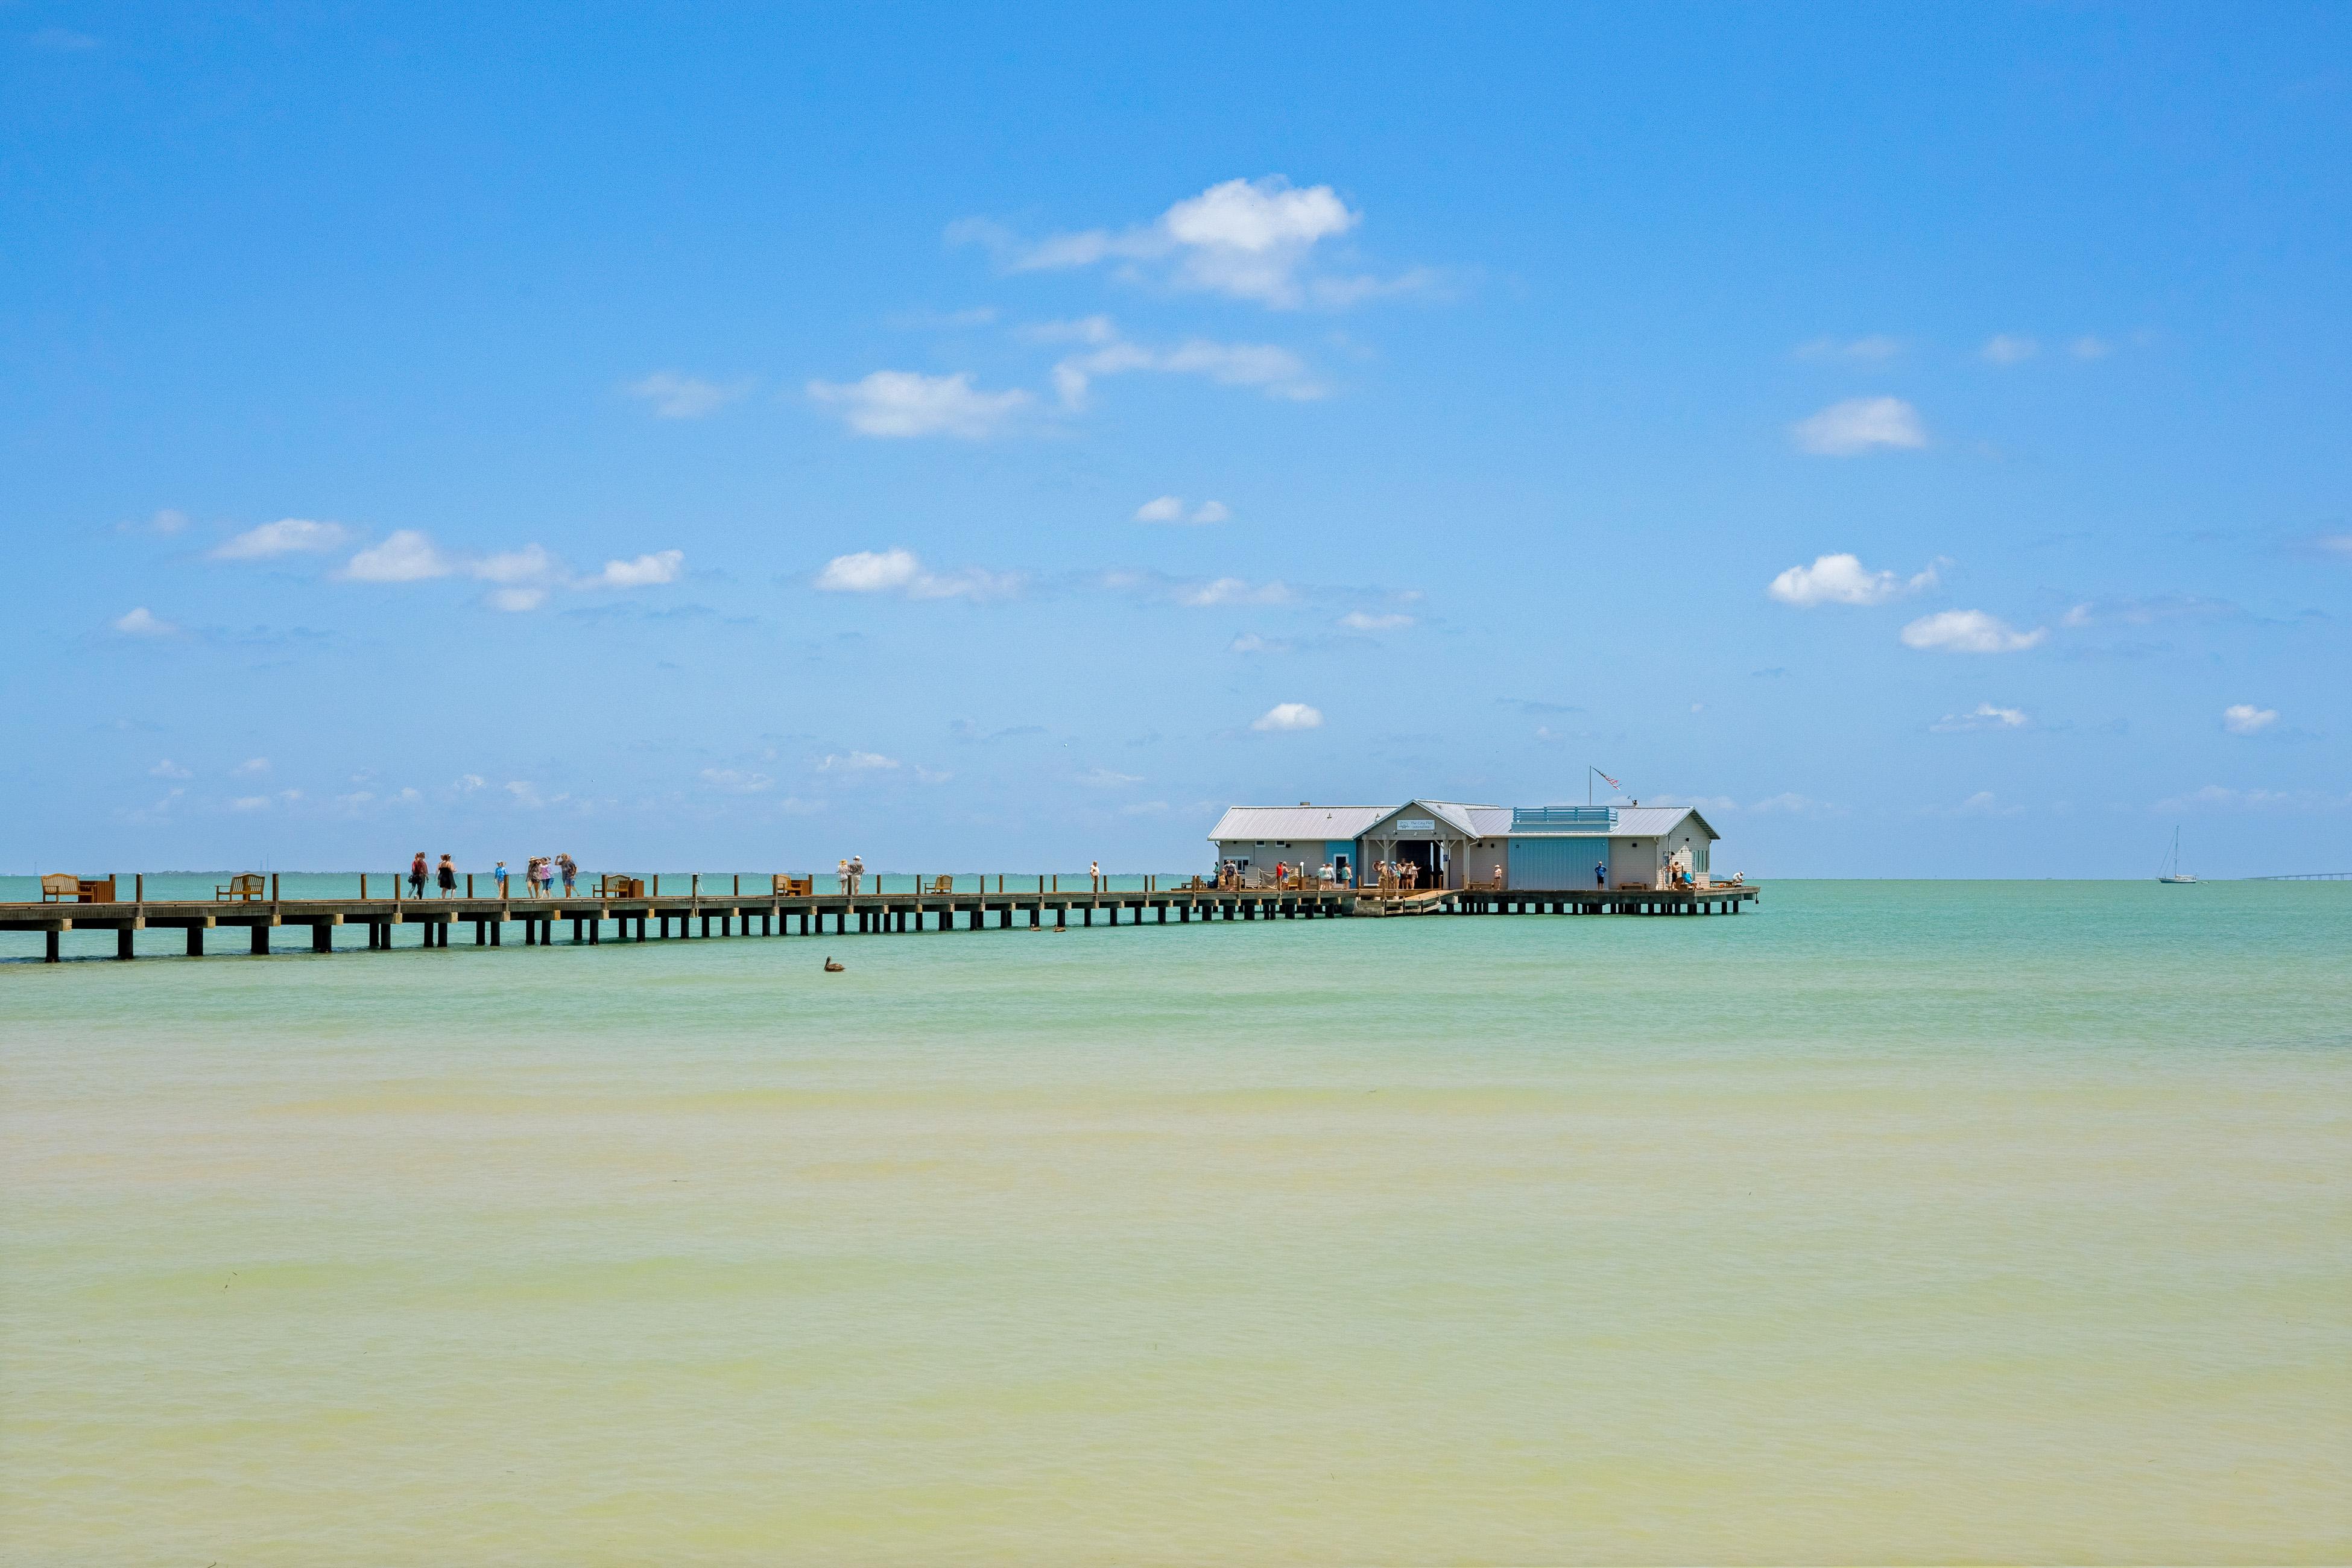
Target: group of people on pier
[(539, 873)]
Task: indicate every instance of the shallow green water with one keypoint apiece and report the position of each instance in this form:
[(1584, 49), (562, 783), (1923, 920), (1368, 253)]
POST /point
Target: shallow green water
[(1889, 1221)]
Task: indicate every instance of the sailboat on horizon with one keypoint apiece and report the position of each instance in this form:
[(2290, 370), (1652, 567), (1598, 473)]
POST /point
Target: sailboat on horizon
[(2172, 871)]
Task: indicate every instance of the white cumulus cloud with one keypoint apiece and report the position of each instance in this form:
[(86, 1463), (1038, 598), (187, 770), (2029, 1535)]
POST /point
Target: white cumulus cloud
[(1970, 631), (2245, 719), (286, 536), (1871, 349), (1859, 425), (2007, 347), (1230, 591), (252, 767), (1367, 621), (1250, 239), (1288, 716), (1842, 579), (517, 601), (858, 763), (902, 572), (645, 572), (168, 769), (407, 555), (902, 402), (143, 622)]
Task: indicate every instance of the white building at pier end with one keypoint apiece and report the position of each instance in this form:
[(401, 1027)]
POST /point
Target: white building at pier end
[(1541, 848)]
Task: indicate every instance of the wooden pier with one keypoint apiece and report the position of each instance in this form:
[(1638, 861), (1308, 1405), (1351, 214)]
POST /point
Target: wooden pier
[(696, 914)]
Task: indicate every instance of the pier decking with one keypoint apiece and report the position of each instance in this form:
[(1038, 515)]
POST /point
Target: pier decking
[(697, 915)]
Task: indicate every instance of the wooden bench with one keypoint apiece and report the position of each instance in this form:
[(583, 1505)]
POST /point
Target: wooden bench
[(941, 888), (242, 888), (612, 886), (65, 887), (788, 886)]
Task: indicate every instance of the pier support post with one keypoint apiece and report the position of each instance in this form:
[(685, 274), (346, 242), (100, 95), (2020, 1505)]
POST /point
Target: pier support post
[(122, 942), (260, 940), (498, 933), (49, 948), (596, 933), (322, 939)]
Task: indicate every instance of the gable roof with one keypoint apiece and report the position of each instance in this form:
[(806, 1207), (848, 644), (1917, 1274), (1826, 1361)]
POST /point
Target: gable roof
[(1462, 819), (1291, 823)]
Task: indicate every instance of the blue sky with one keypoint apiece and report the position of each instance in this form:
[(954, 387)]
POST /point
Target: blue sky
[(697, 439)]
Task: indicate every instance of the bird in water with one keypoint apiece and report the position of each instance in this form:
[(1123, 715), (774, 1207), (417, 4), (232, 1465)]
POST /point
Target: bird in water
[(833, 968)]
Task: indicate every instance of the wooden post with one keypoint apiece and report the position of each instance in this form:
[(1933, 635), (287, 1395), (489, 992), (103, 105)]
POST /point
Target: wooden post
[(138, 888), (738, 884), (694, 885), (656, 893), (469, 884), (273, 886)]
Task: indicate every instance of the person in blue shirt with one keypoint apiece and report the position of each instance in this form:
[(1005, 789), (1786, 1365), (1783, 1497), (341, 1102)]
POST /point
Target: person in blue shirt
[(1600, 874), (499, 877)]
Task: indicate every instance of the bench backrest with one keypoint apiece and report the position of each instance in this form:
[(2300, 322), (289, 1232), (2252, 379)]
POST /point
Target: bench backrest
[(246, 882), (60, 882)]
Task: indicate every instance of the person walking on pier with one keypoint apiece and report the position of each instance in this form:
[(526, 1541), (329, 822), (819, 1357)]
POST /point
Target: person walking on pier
[(446, 875), (416, 876), (570, 869), (857, 873), (1600, 874), (1094, 874), (499, 875)]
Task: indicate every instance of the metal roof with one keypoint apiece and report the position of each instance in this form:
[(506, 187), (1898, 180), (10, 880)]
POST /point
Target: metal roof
[(1633, 821), (1294, 824), (1290, 824)]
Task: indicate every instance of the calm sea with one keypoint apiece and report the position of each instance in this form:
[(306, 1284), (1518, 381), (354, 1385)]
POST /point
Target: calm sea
[(1885, 1222)]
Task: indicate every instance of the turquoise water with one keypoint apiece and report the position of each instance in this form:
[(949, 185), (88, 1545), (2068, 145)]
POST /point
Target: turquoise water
[(1886, 1222)]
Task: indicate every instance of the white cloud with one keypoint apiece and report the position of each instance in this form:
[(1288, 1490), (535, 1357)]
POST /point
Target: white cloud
[(1842, 579), (1983, 716), (518, 601), (2007, 347), (1274, 371), (869, 572), (407, 556), (858, 763), (2245, 719), (1968, 631), (1288, 716), (250, 802), (676, 396), (1104, 778), (1796, 805), (907, 402), (1871, 349), (143, 622), (168, 521), (645, 572), (900, 571), (1171, 508), (1250, 239), (736, 781), (2337, 544), (531, 564), (168, 769), (286, 536), (1365, 621), (1230, 591), (252, 767), (466, 783), (2088, 347), (1858, 424), (1250, 642), (525, 794)]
